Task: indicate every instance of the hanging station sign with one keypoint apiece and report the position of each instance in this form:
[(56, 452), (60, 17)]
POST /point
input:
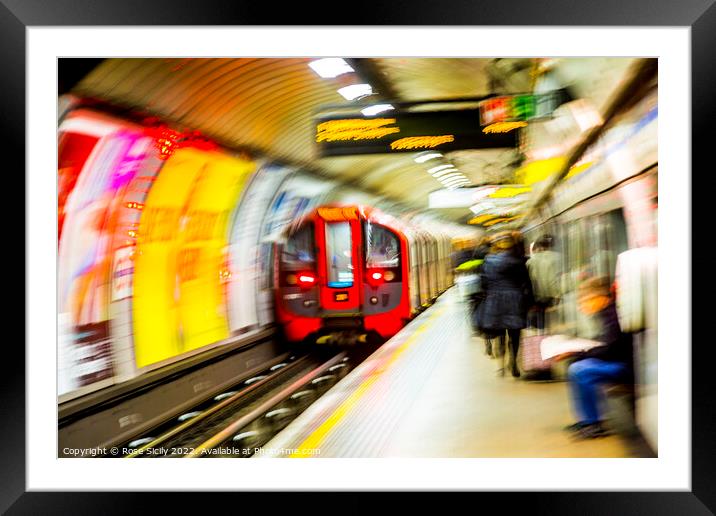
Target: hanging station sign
[(407, 132), (492, 125)]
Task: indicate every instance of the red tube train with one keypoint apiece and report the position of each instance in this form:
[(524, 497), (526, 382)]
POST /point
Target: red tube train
[(346, 274)]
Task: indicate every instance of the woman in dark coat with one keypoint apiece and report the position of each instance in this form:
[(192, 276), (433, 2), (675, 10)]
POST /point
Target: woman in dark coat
[(481, 251), (507, 287)]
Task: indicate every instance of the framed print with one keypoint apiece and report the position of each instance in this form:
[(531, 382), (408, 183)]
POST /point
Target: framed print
[(421, 256)]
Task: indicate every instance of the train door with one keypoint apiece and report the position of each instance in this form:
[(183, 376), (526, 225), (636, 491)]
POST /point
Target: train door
[(339, 266), (424, 282), (414, 272), (383, 283), (439, 264), (432, 267), (297, 283)]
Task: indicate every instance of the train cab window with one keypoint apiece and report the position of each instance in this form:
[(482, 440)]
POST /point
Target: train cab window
[(299, 248), (382, 249), (339, 258)]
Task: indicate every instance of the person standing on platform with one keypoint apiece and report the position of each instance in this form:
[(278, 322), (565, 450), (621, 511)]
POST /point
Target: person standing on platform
[(478, 256), (544, 272), (507, 287)]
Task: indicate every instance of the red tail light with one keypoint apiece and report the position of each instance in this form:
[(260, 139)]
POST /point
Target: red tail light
[(375, 278), (306, 279)]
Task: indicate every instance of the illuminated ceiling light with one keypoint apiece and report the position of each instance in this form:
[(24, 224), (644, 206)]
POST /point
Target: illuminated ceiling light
[(456, 180), (453, 183), (439, 168), (445, 172), (378, 108), (451, 172), (457, 183), (427, 157), (330, 67), (450, 176), (356, 91), (482, 207), (484, 192)]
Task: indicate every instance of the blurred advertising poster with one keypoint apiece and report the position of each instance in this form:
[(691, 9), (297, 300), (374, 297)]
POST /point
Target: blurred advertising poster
[(85, 257), (179, 301)]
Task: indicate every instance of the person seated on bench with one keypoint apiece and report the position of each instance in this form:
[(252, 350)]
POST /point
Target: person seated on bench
[(611, 363)]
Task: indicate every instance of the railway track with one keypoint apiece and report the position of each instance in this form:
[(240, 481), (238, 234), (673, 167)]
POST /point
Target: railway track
[(237, 422)]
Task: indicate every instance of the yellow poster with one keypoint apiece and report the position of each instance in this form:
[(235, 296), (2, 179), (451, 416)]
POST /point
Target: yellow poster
[(179, 302), (202, 242)]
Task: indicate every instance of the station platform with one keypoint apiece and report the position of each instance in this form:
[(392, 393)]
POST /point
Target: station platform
[(431, 391)]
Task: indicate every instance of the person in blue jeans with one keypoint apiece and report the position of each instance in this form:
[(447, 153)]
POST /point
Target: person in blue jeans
[(610, 363)]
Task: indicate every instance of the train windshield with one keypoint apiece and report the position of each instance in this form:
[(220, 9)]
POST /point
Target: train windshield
[(382, 249), (339, 257), (299, 248)]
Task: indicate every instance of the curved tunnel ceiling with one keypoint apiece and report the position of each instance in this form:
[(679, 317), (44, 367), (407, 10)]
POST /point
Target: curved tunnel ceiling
[(267, 105)]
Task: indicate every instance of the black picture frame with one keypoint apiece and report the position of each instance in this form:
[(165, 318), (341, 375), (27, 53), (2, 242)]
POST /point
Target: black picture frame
[(700, 15)]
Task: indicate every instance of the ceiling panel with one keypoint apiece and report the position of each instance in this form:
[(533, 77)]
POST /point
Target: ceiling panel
[(268, 105)]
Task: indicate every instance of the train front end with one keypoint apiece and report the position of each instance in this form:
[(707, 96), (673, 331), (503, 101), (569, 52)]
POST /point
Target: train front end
[(340, 278)]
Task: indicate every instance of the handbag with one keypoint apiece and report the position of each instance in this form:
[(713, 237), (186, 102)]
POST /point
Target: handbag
[(530, 360)]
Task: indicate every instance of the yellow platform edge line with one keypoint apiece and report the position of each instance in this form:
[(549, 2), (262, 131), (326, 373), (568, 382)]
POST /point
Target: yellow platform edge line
[(314, 441)]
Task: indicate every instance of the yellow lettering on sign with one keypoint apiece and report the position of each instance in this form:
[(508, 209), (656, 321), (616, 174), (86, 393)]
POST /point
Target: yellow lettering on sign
[(421, 142), (503, 127), (355, 129)]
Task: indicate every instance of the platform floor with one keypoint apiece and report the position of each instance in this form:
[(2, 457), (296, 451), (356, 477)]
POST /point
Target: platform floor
[(431, 391)]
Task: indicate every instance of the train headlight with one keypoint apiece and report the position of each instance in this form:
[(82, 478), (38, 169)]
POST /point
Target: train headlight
[(291, 279), (307, 279), (389, 275), (373, 300), (375, 277)]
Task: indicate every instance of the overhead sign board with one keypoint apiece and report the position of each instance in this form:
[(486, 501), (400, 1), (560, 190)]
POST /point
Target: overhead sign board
[(407, 132), (491, 125)]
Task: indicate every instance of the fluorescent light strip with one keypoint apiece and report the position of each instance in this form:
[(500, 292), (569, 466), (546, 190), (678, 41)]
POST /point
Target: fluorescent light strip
[(330, 67), (452, 175), (427, 157), (452, 180), (452, 183), (378, 108), (355, 91), (456, 180), (434, 170), (445, 172)]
